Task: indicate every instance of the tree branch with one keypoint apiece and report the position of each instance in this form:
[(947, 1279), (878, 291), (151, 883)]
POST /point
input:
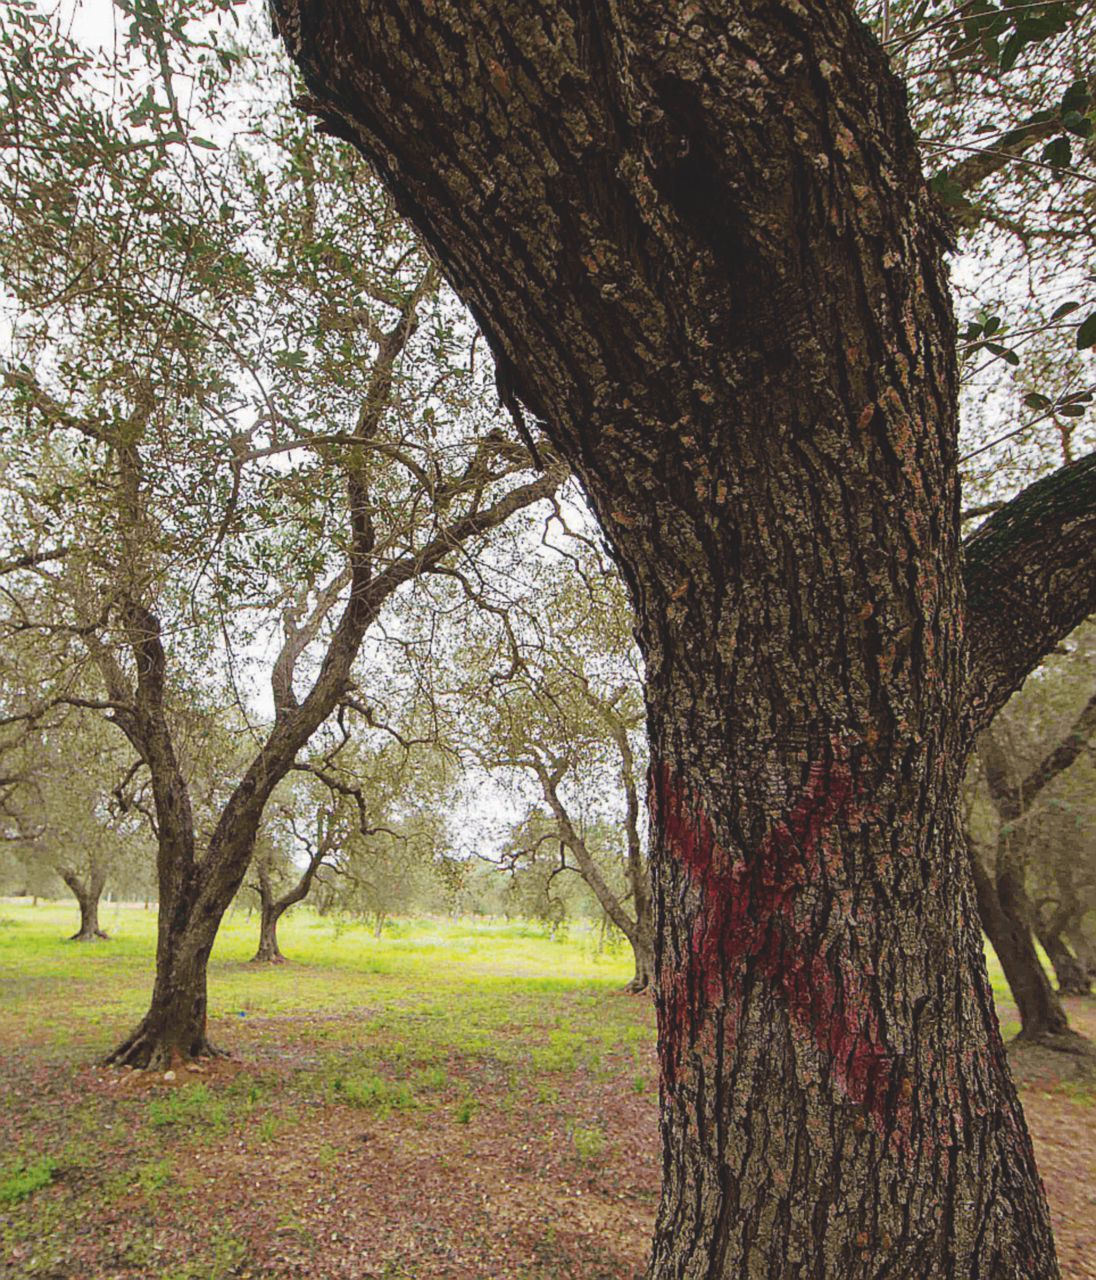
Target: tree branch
[(1030, 576)]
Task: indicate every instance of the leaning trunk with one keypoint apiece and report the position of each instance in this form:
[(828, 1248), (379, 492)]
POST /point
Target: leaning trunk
[(1042, 1017), (1073, 980), (702, 249), (269, 951)]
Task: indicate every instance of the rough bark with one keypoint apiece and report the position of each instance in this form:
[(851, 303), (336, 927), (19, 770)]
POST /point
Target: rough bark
[(699, 242), (174, 1029)]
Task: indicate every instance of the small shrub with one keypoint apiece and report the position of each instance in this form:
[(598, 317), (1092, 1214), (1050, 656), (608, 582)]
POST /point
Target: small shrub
[(588, 1143), (25, 1179), (268, 1128), (639, 1084), (466, 1109)]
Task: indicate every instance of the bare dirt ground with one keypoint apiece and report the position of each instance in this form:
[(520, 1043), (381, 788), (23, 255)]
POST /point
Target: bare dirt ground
[(378, 1126)]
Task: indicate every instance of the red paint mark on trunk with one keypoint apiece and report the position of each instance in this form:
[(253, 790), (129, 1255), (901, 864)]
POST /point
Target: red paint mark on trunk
[(752, 918)]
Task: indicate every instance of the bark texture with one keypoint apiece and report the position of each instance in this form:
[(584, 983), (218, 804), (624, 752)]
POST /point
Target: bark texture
[(699, 242)]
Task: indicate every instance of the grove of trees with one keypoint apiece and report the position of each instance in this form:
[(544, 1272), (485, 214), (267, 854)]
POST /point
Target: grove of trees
[(623, 459)]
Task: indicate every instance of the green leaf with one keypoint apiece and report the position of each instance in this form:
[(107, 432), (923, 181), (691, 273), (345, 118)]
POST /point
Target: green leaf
[(1006, 353), (1077, 124), (204, 143), (1076, 97), (1064, 310), (1086, 333), (950, 192), (1071, 410), (1034, 400), (1058, 153)]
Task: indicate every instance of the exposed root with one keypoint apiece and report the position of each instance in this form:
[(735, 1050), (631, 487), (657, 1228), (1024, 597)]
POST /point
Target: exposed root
[(146, 1051), (95, 936), (259, 958)]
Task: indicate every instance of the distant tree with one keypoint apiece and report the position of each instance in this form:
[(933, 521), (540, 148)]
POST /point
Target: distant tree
[(562, 704), (1028, 751), (218, 481), (68, 816)]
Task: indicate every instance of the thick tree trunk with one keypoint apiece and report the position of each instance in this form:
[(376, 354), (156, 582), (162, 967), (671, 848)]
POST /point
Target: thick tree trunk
[(174, 1029), (269, 951), (1072, 978), (699, 242)]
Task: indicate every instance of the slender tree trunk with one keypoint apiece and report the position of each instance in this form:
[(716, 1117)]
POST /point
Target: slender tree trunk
[(378, 923), (89, 921), (269, 951), (1042, 1018), (1072, 978), (643, 952), (701, 247)]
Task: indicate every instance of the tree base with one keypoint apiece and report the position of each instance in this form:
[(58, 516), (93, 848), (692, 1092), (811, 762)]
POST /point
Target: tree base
[(146, 1051), (262, 958), (93, 935), (1067, 1041)]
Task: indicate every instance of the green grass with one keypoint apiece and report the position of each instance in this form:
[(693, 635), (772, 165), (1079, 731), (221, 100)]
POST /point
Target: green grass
[(24, 1179), (83, 998)]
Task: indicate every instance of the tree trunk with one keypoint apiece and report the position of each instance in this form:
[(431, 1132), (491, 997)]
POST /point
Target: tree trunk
[(643, 951), (378, 923), (87, 893), (1073, 980), (1042, 1018), (89, 920), (174, 1029), (1084, 948), (699, 242), (269, 951)]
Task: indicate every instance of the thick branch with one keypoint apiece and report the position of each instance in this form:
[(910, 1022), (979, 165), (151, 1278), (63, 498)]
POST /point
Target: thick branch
[(1030, 576)]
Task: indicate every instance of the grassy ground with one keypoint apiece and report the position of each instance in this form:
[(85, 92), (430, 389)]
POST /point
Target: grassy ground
[(450, 1101)]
